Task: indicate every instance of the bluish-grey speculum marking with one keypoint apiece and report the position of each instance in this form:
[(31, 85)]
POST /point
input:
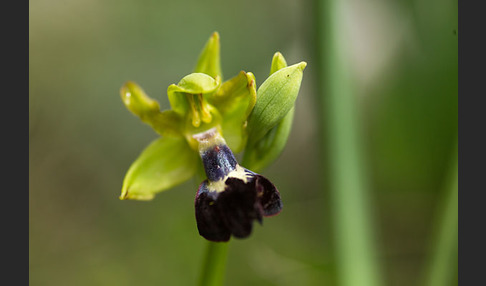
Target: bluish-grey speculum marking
[(218, 162)]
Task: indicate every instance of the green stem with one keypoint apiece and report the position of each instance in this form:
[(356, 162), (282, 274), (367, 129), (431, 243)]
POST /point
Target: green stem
[(442, 265), (355, 247), (214, 264)]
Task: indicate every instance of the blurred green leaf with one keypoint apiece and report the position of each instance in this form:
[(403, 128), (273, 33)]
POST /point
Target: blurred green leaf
[(443, 253), (165, 163)]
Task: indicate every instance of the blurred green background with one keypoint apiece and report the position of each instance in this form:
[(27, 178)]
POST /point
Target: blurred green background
[(82, 140)]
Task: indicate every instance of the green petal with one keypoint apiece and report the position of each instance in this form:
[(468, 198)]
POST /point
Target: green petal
[(166, 123), (194, 83), (137, 101), (165, 163), (235, 100), (209, 59), (261, 154), (275, 97)]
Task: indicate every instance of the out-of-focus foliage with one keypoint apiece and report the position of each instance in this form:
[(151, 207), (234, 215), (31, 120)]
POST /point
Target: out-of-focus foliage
[(404, 56)]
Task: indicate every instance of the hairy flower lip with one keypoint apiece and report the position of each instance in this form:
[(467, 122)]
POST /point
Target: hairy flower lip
[(231, 212), (232, 197)]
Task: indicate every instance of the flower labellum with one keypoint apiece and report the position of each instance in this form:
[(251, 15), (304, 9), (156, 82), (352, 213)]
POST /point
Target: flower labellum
[(232, 197)]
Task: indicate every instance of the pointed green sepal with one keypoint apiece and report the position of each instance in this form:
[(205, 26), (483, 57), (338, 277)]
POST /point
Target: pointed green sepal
[(165, 163), (275, 97), (235, 100), (209, 59)]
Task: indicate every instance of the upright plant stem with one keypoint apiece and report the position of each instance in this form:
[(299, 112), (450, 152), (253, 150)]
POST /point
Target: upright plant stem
[(355, 251), (442, 265), (214, 264)]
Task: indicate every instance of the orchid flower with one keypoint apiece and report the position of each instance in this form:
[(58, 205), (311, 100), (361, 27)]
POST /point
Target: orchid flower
[(209, 119)]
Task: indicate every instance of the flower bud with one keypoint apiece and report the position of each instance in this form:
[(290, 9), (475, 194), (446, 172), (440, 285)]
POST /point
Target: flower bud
[(275, 97)]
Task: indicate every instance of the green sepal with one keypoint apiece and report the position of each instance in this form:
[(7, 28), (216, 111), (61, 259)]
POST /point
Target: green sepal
[(165, 163), (194, 83), (209, 59), (235, 100), (275, 97), (166, 123), (261, 154)]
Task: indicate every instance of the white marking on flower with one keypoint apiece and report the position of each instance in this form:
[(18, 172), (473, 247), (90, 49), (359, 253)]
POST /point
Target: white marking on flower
[(239, 173)]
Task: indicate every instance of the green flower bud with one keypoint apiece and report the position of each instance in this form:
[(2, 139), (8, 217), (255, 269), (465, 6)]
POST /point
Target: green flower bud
[(262, 153), (275, 97)]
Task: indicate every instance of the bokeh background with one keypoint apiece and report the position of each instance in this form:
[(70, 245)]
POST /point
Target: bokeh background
[(403, 56)]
